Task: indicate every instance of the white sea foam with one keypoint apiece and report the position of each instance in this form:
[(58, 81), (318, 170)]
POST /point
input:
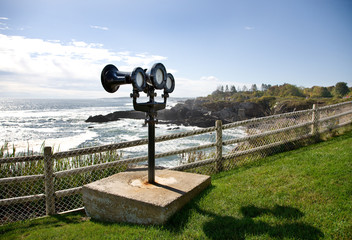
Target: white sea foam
[(58, 144), (27, 124), (72, 142)]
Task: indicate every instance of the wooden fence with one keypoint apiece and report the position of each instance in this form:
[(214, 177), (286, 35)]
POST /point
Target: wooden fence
[(261, 136)]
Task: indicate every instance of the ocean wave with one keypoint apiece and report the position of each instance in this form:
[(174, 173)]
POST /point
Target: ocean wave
[(27, 124)]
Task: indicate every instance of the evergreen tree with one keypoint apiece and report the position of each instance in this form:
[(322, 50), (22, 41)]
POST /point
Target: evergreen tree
[(254, 88), (263, 87), (233, 89)]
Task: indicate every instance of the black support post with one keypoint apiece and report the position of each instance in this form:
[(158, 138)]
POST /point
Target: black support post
[(151, 149), (150, 108)]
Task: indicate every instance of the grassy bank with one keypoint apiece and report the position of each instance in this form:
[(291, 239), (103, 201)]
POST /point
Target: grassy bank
[(301, 194)]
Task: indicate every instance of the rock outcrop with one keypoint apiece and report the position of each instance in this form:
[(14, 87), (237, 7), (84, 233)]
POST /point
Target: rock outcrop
[(195, 112), (291, 106), (203, 112), (116, 116)]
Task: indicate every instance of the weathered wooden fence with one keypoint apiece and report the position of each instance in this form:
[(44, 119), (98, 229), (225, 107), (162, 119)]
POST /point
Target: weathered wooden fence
[(39, 185)]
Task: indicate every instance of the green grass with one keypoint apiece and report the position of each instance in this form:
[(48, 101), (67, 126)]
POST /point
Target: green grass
[(301, 194)]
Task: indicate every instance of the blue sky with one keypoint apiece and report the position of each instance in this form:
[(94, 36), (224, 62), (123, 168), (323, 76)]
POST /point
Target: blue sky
[(58, 48)]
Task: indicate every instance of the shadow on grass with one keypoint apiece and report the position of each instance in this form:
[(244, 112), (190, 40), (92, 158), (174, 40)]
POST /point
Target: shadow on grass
[(45, 222), (177, 222), (284, 212), (228, 227)]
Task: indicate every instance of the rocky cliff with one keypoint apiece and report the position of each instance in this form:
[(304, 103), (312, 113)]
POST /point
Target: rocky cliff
[(195, 112), (203, 112)]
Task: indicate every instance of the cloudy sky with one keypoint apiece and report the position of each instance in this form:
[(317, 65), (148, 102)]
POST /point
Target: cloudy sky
[(57, 48)]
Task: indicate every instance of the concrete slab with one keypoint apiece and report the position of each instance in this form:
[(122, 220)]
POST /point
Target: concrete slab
[(128, 197)]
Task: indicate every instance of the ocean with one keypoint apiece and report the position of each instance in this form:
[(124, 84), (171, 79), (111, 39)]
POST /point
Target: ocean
[(28, 124)]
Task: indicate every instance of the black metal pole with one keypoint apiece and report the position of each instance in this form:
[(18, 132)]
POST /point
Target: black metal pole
[(112, 78), (151, 149)]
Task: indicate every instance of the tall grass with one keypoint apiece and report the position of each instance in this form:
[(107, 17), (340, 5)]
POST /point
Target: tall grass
[(37, 167), (19, 211)]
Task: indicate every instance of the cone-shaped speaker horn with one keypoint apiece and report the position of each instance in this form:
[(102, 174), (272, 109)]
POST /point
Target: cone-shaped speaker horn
[(112, 78)]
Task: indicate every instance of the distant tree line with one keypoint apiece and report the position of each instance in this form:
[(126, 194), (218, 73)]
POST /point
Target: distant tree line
[(286, 90), (234, 89)]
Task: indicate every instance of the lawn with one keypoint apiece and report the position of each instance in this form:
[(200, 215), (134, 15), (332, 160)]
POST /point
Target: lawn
[(301, 194)]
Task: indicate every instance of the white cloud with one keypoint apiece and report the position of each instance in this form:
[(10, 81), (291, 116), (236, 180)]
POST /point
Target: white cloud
[(203, 86), (248, 28), (185, 87), (3, 26), (200, 87), (99, 27), (36, 66), (171, 70)]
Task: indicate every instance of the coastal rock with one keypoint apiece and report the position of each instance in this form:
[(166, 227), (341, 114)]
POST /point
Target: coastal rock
[(98, 118), (116, 116), (291, 106), (194, 112)]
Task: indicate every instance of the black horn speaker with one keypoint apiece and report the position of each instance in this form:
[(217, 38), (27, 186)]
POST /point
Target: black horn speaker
[(112, 78)]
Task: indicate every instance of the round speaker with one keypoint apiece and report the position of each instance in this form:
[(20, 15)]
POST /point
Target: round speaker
[(109, 77), (170, 83), (158, 76)]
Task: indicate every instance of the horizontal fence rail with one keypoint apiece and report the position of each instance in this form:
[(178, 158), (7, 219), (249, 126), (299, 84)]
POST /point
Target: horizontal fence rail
[(38, 185)]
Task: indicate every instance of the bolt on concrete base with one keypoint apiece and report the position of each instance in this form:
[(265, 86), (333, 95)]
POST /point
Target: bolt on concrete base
[(128, 197)]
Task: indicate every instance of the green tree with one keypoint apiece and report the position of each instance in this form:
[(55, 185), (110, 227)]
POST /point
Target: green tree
[(320, 92), (341, 89), (290, 90), (284, 91), (273, 91)]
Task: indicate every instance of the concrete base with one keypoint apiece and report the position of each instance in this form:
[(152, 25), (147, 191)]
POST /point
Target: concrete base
[(128, 197)]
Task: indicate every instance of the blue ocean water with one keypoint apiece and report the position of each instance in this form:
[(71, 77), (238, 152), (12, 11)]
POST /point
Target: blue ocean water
[(28, 124), (61, 122)]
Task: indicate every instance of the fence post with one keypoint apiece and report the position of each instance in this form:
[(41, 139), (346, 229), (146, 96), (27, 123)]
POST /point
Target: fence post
[(218, 126), (49, 181), (315, 123)]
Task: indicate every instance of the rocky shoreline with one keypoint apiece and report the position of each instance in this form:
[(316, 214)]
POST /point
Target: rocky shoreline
[(202, 112), (194, 112)]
